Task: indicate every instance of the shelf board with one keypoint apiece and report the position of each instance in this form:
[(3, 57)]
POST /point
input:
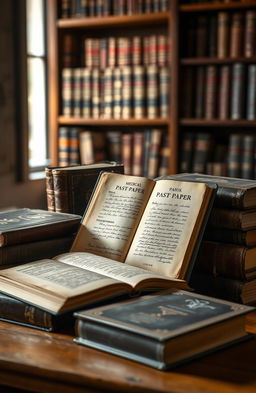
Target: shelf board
[(79, 121), (109, 21), (215, 60), (217, 123), (218, 6)]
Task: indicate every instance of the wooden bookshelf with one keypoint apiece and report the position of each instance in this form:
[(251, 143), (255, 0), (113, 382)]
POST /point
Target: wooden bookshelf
[(163, 22)]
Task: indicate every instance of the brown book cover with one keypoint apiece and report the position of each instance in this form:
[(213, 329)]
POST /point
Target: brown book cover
[(162, 330), (238, 291), (234, 193), (250, 33), (234, 236), (234, 155), (227, 260), (224, 92), (236, 34), (27, 225), (211, 92), (223, 34), (73, 185), (127, 152), (232, 218), (200, 92), (138, 147)]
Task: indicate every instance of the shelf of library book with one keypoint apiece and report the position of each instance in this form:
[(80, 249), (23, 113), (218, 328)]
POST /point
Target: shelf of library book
[(217, 5)]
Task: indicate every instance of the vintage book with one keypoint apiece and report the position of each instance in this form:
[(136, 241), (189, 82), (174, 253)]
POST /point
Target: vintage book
[(139, 91), (18, 254), (86, 92), (237, 91), (27, 225), (234, 155), (236, 34), (126, 93), (67, 91), (232, 192), (63, 146), (251, 93), (113, 139), (227, 260), (200, 92), (223, 34), (127, 152), (250, 33), (163, 330), (77, 91), (73, 185), (188, 91), (164, 91), (95, 93), (224, 288), (224, 92), (165, 153), (74, 154), (248, 156), (152, 91), (202, 151), (235, 236), (212, 36), (186, 153), (138, 147), (117, 93), (233, 218), (210, 92), (201, 36), (154, 152)]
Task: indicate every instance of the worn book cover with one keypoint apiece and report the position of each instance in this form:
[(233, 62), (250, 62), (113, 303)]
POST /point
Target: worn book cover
[(26, 225), (164, 329)]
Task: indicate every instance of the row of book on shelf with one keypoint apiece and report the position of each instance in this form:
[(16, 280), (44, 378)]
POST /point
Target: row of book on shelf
[(183, 208), (95, 52), (143, 152), (220, 92), (119, 93), (93, 8), (201, 153), (222, 35)]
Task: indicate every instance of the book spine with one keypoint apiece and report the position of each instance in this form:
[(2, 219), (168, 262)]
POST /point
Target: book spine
[(229, 236), (61, 192), (247, 156), (227, 260), (153, 161), (165, 152), (86, 92), (63, 146), (95, 93), (136, 50), (126, 92), (250, 34), (200, 92), (225, 218), (162, 50), (114, 145), (65, 9), (117, 93), (103, 53), (49, 189), (237, 91), (67, 91), (234, 155), (152, 49), (187, 148), (223, 30), (202, 147), (127, 154), (74, 157), (139, 91), (77, 91), (251, 93), (147, 138), (152, 91), (138, 146), (15, 310), (224, 92), (108, 93), (236, 34), (201, 36), (212, 44), (112, 52), (164, 86), (211, 92), (123, 51), (86, 147), (68, 54)]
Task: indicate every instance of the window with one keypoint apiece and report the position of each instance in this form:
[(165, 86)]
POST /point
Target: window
[(36, 86)]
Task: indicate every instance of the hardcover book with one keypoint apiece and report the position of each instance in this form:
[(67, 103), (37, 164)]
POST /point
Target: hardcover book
[(154, 228), (73, 185), (28, 225), (232, 192), (165, 329)]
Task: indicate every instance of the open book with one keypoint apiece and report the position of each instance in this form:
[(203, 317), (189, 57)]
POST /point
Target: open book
[(154, 228)]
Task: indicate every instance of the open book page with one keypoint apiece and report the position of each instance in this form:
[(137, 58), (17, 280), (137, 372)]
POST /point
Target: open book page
[(112, 216), (163, 237), (119, 271)]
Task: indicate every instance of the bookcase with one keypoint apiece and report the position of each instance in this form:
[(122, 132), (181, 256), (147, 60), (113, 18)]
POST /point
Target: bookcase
[(122, 53), (199, 117), (217, 115)]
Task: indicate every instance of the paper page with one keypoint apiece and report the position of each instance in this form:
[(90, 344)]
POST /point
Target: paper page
[(166, 227), (57, 277), (113, 215), (119, 271)]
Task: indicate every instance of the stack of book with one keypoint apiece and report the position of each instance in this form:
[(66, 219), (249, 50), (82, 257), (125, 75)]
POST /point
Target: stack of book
[(29, 234), (226, 262)]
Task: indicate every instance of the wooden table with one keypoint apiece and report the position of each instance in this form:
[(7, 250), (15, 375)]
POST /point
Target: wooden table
[(51, 363)]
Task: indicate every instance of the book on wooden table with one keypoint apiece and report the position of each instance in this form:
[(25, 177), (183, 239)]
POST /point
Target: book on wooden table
[(165, 329), (239, 291), (154, 228), (26, 225), (72, 185), (227, 260), (235, 193)]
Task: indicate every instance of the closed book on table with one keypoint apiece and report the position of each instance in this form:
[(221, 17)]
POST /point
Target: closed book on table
[(163, 330), (235, 193), (232, 219), (228, 260), (28, 225), (236, 236)]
